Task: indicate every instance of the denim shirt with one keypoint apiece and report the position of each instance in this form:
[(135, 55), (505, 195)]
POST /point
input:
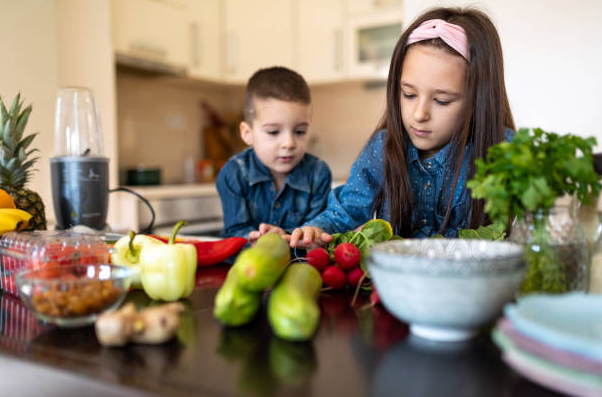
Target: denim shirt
[(248, 195), (431, 181)]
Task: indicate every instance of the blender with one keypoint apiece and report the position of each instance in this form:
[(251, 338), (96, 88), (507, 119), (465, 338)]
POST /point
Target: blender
[(79, 170)]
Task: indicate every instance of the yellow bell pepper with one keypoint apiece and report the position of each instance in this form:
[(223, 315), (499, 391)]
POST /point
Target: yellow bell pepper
[(168, 271), (126, 252)]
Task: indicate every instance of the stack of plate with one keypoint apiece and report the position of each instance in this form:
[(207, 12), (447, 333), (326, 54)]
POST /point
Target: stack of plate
[(555, 340)]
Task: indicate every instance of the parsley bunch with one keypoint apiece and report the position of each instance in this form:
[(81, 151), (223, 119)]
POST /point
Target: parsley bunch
[(530, 172)]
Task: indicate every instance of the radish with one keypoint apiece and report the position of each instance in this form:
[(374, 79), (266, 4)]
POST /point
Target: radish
[(334, 277), (347, 256), (354, 276), (318, 258)]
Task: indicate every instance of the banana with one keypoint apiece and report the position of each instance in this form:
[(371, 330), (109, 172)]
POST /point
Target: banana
[(15, 215), (9, 223), (24, 215)]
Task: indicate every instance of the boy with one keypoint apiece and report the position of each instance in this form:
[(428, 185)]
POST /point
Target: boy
[(274, 185)]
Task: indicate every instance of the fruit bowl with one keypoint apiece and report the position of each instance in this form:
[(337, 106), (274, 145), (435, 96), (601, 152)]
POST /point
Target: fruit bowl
[(73, 295), (446, 289)]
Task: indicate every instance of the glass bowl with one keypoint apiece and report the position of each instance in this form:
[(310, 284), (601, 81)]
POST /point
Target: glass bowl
[(73, 295)]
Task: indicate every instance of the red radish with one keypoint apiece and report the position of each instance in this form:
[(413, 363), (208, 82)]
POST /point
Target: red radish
[(318, 258), (354, 276), (347, 256), (334, 276)]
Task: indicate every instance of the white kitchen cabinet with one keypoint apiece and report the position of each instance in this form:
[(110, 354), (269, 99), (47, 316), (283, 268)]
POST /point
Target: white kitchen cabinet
[(259, 33), (156, 30), (206, 42), (370, 40), (370, 6), (321, 40)]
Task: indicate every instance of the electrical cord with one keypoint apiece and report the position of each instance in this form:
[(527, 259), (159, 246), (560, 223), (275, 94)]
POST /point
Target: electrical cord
[(149, 228)]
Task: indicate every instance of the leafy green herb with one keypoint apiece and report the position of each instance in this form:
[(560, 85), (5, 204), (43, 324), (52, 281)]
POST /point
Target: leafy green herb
[(530, 172), (489, 232)]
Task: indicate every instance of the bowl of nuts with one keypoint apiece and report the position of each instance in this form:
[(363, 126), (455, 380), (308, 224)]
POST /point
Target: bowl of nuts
[(73, 295)]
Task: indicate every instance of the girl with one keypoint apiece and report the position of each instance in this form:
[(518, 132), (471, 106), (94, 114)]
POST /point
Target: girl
[(446, 105)]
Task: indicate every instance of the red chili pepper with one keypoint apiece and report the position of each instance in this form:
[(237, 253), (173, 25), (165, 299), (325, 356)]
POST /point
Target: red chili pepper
[(212, 252)]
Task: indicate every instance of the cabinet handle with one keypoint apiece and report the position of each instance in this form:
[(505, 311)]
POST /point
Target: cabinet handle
[(195, 43), (338, 49), (231, 53)]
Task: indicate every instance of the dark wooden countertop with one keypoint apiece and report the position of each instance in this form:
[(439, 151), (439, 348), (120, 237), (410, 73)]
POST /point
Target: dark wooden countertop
[(356, 352)]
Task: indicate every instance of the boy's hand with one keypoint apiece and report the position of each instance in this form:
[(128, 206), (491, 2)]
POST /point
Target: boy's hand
[(264, 228), (308, 237)]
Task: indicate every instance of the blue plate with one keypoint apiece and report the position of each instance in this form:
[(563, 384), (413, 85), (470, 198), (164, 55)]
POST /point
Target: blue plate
[(570, 322)]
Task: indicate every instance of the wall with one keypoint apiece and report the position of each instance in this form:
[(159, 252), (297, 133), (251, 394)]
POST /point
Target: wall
[(47, 44), (28, 45), (344, 116), (160, 121), (552, 60), (152, 109)]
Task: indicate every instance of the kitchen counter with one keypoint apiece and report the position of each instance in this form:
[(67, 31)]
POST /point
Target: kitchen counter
[(175, 191), (195, 203), (356, 352)]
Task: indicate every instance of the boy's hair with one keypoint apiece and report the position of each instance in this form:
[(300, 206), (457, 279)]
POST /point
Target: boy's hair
[(487, 114), (278, 83)]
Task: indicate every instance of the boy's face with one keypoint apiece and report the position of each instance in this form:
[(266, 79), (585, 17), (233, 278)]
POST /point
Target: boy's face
[(433, 97), (278, 134)]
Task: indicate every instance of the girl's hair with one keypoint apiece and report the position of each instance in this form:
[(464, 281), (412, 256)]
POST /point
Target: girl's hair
[(487, 114)]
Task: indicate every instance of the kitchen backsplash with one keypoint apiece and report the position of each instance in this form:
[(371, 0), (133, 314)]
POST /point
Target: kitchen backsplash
[(160, 121)]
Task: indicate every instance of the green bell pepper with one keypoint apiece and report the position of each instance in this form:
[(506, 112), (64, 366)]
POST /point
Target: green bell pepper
[(168, 271), (126, 252)]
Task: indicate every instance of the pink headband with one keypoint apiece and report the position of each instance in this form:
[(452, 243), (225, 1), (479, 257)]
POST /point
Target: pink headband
[(453, 35)]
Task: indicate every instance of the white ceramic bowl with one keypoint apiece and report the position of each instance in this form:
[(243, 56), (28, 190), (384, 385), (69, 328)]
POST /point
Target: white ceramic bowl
[(446, 289)]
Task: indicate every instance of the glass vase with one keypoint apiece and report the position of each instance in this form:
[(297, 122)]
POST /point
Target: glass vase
[(556, 251), (595, 272)]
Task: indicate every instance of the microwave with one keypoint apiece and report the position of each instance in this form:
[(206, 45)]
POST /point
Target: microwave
[(371, 41)]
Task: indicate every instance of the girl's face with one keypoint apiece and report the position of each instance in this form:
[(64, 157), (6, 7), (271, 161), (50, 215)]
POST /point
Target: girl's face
[(278, 135), (433, 97)]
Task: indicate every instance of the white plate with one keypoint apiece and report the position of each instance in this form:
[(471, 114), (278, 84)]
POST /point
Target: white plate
[(571, 322), (546, 373)]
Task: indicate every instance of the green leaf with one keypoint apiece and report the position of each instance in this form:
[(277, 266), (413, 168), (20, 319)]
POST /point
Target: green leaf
[(25, 142), (377, 230), (489, 232), (14, 107)]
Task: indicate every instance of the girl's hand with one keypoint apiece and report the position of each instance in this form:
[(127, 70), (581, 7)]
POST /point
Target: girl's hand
[(308, 237), (264, 228)]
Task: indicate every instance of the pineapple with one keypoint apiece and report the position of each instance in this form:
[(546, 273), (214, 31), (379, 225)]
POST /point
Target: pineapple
[(16, 161)]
